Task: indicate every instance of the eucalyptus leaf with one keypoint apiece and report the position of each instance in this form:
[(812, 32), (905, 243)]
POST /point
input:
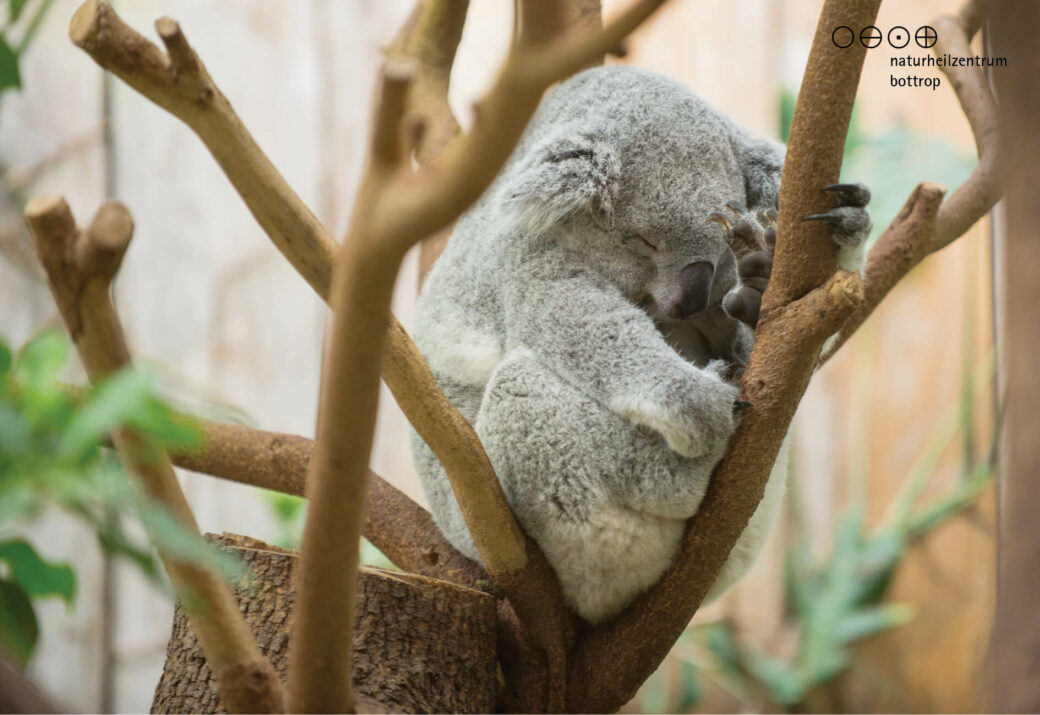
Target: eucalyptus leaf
[(10, 75), (19, 628), (39, 578)]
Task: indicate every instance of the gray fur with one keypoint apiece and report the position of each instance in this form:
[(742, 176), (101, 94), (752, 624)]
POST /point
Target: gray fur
[(546, 321)]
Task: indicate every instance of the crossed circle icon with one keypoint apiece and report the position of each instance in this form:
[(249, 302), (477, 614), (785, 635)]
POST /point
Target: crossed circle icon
[(870, 37)]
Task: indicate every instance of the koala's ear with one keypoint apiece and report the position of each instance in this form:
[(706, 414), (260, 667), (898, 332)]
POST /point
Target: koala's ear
[(761, 161), (563, 176)]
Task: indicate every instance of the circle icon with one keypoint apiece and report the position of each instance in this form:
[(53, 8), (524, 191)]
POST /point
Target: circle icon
[(926, 36), (899, 37), (870, 37), (843, 36)]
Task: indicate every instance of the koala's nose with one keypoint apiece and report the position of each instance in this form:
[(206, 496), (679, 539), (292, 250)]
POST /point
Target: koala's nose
[(691, 296)]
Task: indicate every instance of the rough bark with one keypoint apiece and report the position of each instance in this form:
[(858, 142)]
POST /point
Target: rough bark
[(1015, 643), (420, 645)]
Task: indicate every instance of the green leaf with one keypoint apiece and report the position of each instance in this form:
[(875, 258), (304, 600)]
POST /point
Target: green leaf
[(866, 622), (689, 687), (41, 359), (16, 8), (6, 358), (126, 398), (785, 685), (19, 628), (10, 75), (39, 578), (181, 544)]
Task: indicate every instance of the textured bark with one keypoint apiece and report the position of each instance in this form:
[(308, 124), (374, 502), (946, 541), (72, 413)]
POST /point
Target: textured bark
[(1015, 644), (420, 645)]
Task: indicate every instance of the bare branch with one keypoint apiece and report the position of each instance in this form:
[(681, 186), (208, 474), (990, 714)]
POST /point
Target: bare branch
[(80, 267), (805, 300), (927, 223), (393, 212), (430, 38), (395, 524)]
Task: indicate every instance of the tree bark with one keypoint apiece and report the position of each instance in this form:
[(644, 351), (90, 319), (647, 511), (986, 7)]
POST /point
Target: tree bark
[(420, 645), (1015, 645)]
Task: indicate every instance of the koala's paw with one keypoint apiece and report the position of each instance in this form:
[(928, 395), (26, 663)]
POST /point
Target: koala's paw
[(696, 416), (849, 221), (752, 238)]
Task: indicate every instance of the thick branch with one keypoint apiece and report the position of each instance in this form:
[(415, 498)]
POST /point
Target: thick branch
[(80, 267), (927, 223), (805, 301), (395, 524)]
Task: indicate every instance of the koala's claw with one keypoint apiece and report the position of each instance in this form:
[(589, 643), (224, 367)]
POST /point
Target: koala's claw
[(850, 222), (751, 237), (850, 194)]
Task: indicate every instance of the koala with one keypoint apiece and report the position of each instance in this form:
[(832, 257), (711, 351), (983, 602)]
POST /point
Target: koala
[(590, 315)]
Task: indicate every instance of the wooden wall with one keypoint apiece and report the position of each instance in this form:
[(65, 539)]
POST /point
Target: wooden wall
[(226, 320)]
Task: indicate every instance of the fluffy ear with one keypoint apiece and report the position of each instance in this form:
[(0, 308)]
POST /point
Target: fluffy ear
[(762, 161), (563, 176)]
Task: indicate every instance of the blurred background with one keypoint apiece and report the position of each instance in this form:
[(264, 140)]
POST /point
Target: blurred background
[(876, 591)]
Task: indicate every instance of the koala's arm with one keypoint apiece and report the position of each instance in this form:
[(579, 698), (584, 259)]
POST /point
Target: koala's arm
[(584, 329)]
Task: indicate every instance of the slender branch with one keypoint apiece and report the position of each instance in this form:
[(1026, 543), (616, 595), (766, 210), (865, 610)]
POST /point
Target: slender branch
[(80, 267), (184, 88), (397, 207), (805, 301), (430, 38), (927, 223)]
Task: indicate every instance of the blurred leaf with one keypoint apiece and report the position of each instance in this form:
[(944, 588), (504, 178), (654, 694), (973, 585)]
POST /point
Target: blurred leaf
[(785, 685), (720, 641), (37, 577), (10, 75), (689, 686), (868, 621), (5, 362), (19, 628), (41, 360), (126, 398), (15, 9), (182, 544), (787, 100)]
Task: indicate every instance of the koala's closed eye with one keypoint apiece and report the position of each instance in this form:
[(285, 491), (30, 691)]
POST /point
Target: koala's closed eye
[(647, 244)]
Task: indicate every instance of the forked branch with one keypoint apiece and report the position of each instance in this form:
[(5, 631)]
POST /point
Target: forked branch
[(805, 301), (927, 223), (397, 207), (80, 266)]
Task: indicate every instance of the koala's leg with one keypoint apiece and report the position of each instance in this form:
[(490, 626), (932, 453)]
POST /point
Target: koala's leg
[(605, 499)]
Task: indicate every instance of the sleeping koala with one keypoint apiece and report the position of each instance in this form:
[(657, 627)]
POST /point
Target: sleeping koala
[(589, 317)]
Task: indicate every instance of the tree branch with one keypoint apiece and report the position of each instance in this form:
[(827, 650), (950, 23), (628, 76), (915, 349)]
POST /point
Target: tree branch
[(430, 38), (184, 88), (927, 223), (806, 299), (80, 267), (397, 207), (395, 524)]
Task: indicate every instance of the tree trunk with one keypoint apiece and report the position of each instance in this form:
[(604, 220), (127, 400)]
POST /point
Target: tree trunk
[(420, 645), (1015, 645)]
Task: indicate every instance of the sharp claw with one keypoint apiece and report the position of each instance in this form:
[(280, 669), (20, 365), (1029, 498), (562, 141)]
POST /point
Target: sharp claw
[(825, 218), (720, 219), (850, 194), (736, 207)]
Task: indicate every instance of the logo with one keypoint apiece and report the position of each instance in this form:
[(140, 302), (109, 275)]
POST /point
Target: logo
[(870, 37), (926, 37), (843, 36)]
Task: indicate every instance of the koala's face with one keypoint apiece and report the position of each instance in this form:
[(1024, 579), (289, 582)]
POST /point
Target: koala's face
[(629, 166)]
